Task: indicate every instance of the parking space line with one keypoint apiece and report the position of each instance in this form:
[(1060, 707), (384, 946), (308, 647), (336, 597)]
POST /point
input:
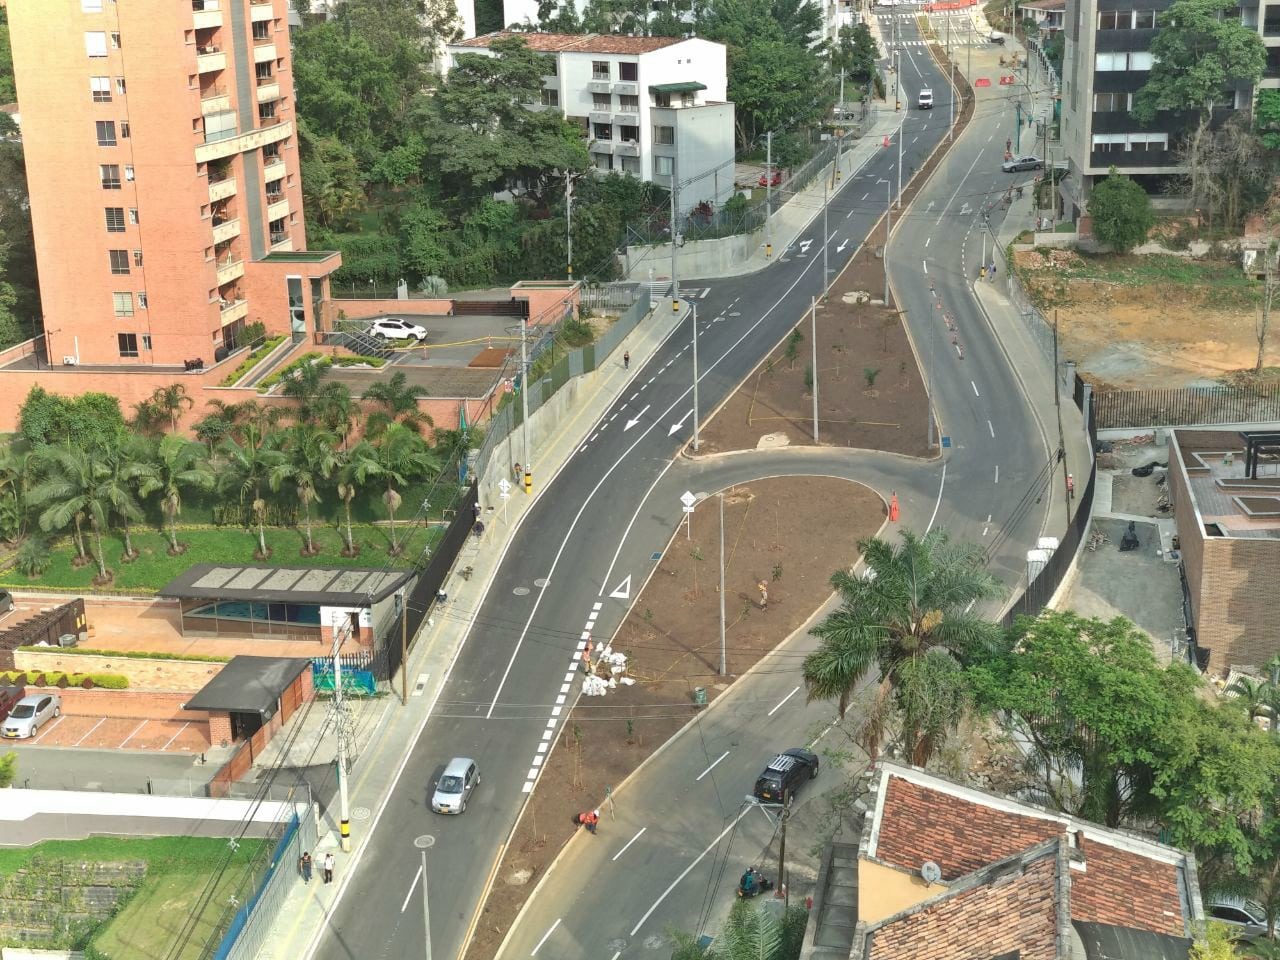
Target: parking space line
[(175, 736), (57, 720), (90, 730), (135, 732)]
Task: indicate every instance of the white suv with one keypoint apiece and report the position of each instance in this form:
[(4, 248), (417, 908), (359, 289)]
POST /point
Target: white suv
[(925, 102), (393, 328), (29, 714)]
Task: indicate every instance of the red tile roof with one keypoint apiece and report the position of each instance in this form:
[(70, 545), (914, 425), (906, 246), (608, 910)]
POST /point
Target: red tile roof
[(576, 43), (1118, 885)]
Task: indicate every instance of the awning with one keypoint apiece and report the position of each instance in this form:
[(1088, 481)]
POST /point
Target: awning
[(249, 685), (688, 86), (331, 586)]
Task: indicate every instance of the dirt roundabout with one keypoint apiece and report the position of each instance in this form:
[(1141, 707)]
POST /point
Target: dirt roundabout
[(779, 531)]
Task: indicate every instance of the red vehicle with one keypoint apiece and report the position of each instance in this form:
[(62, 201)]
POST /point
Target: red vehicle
[(772, 181)]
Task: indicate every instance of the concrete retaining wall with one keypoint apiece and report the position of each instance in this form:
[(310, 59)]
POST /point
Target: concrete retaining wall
[(697, 258)]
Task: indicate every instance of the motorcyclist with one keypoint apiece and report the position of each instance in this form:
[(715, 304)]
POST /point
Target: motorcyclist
[(749, 883)]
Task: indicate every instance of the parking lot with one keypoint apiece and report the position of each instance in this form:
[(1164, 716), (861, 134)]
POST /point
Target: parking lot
[(118, 733)]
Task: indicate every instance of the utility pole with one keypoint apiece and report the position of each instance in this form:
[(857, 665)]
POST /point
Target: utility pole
[(782, 847), (524, 407), (694, 305), (568, 235), (813, 311), (826, 273), (951, 101), (1017, 131), (888, 229), (968, 70), (768, 194), (424, 843), (901, 123), (724, 663), (402, 601), (933, 348), (344, 811), (675, 280)]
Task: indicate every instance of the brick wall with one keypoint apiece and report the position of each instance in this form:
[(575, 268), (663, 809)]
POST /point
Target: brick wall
[(1190, 531), (184, 676), (219, 728), (1238, 601), (360, 309), (135, 704)]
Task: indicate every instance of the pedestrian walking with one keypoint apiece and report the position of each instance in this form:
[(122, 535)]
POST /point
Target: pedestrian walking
[(1071, 487), (475, 512), (982, 272), (763, 587), (515, 468), (304, 866), (329, 862), (626, 359), (991, 272)]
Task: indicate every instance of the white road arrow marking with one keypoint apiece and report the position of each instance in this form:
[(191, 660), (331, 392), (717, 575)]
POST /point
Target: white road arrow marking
[(843, 244), (623, 590), (680, 425), (631, 423), (929, 206), (965, 208), (804, 245)]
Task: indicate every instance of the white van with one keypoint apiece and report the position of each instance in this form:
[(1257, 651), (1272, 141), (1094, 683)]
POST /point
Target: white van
[(925, 101)]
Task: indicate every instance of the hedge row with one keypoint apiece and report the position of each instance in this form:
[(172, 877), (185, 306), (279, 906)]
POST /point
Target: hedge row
[(54, 678), (127, 654)]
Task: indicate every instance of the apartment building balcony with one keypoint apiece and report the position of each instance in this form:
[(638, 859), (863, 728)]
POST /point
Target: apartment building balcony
[(206, 14), (281, 241), (277, 209), (627, 88), (1135, 161), (233, 310), (602, 85), (626, 117), (627, 148), (221, 189), (250, 140), (264, 51), (225, 230), (210, 59), (601, 116), (268, 89), (601, 146), (273, 170), (229, 270), (215, 98), (260, 10)]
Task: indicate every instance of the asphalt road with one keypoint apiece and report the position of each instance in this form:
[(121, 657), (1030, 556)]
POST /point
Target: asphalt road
[(579, 543)]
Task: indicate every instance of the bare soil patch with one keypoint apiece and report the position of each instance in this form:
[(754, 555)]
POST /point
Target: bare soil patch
[(791, 533)]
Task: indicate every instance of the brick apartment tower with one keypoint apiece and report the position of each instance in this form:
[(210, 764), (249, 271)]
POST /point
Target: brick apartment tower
[(162, 162)]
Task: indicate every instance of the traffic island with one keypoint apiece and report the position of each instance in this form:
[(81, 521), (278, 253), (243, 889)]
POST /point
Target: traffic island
[(787, 533)]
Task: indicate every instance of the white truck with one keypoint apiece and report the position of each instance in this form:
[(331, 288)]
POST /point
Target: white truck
[(925, 100)]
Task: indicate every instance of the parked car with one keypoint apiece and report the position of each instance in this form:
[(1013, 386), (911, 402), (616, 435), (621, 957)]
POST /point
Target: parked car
[(925, 100), (1022, 163), (784, 774), (393, 328), (453, 788), (9, 698), (29, 714), (1246, 918), (771, 181)]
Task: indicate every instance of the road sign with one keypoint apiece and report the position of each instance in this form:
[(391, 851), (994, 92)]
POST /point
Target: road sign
[(504, 488), (688, 499), (946, 442)]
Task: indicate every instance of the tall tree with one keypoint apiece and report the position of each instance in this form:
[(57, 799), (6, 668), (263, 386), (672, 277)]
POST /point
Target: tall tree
[(1121, 212), (132, 476), (912, 605), (249, 465), (180, 465), (348, 476), (308, 459), (397, 402), (80, 485), (399, 458)]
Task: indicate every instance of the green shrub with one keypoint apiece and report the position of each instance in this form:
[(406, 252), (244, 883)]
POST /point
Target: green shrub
[(129, 654), (345, 361), (109, 681), (37, 678), (34, 558), (285, 372), (251, 361)]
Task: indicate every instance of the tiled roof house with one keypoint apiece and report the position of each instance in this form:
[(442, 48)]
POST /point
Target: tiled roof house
[(1010, 881)]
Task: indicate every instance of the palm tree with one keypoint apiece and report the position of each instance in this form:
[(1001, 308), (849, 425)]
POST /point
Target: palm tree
[(303, 385), (397, 400), (179, 464), (400, 457), (132, 475), (171, 401), (308, 457), (15, 475), (348, 487), (908, 613), (334, 410), (148, 417), (249, 466), (66, 474)]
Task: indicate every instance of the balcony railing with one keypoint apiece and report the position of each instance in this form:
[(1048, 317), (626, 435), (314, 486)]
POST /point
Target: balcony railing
[(259, 41), (207, 49), (274, 198), (269, 121), (213, 91), (217, 136), (264, 81), (279, 237)]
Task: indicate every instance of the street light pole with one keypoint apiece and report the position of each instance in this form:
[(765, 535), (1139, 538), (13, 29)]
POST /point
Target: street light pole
[(402, 603), (344, 810), (768, 194), (826, 271), (568, 228), (675, 280), (813, 312), (724, 664), (524, 407), (425, 843), (695, 376), (933, 348), (888, 228)]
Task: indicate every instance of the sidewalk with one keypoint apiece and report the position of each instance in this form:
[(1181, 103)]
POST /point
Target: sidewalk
[(386, 726)]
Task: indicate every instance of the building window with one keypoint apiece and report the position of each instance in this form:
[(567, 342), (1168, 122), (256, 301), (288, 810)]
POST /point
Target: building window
[(663, 166), (630, 134), (1115, 19), (629, 103), (124, 129), (551, 98), (95, 44), (106, 130), (275, 190), (146, 342), (662, 99), (133, 216), (137, 258), (601, 101), (128, 344), (109, 175), (115, 41), (1141, 60), (602, 131), (115, 219), (262, 71), (267, 111), (142, 299), (665, 135), (128, 173), (262, 30), (100, 88), (278, 230), (1111, 102), (119, 260), (1111, 61), (120, 85), (270, 153), (90, 6), (123, 301), (1144, 20), (629, 71), (600, 70)]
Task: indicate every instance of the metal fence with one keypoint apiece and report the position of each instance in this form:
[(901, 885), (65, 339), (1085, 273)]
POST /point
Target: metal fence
[(1038, 328), (544, 385), (1187, 405), (610, 297)]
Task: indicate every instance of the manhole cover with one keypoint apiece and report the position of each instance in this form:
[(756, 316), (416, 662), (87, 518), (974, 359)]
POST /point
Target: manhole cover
[(540, 582), (521, 591), (424, 842), (361, 813)]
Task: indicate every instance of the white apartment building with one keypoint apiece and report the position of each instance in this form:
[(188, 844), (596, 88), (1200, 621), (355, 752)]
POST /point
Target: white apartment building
[(653, 107)]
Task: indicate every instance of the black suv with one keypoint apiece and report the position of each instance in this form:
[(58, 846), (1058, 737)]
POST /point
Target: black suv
[(784, 774)]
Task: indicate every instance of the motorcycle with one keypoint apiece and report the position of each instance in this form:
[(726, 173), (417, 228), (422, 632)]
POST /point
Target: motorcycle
[(759, 884)]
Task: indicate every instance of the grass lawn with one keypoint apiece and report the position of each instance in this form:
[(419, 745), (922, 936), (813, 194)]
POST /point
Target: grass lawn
[(1228, 282), (174, 889), (224, 545)]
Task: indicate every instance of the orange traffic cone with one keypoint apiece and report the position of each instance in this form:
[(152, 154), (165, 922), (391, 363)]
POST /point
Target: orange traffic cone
[(893, 507)]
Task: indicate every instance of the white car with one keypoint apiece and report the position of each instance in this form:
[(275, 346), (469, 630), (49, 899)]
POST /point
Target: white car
[(1247, 920), (29, 714), (393, 328), (453, 788)]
